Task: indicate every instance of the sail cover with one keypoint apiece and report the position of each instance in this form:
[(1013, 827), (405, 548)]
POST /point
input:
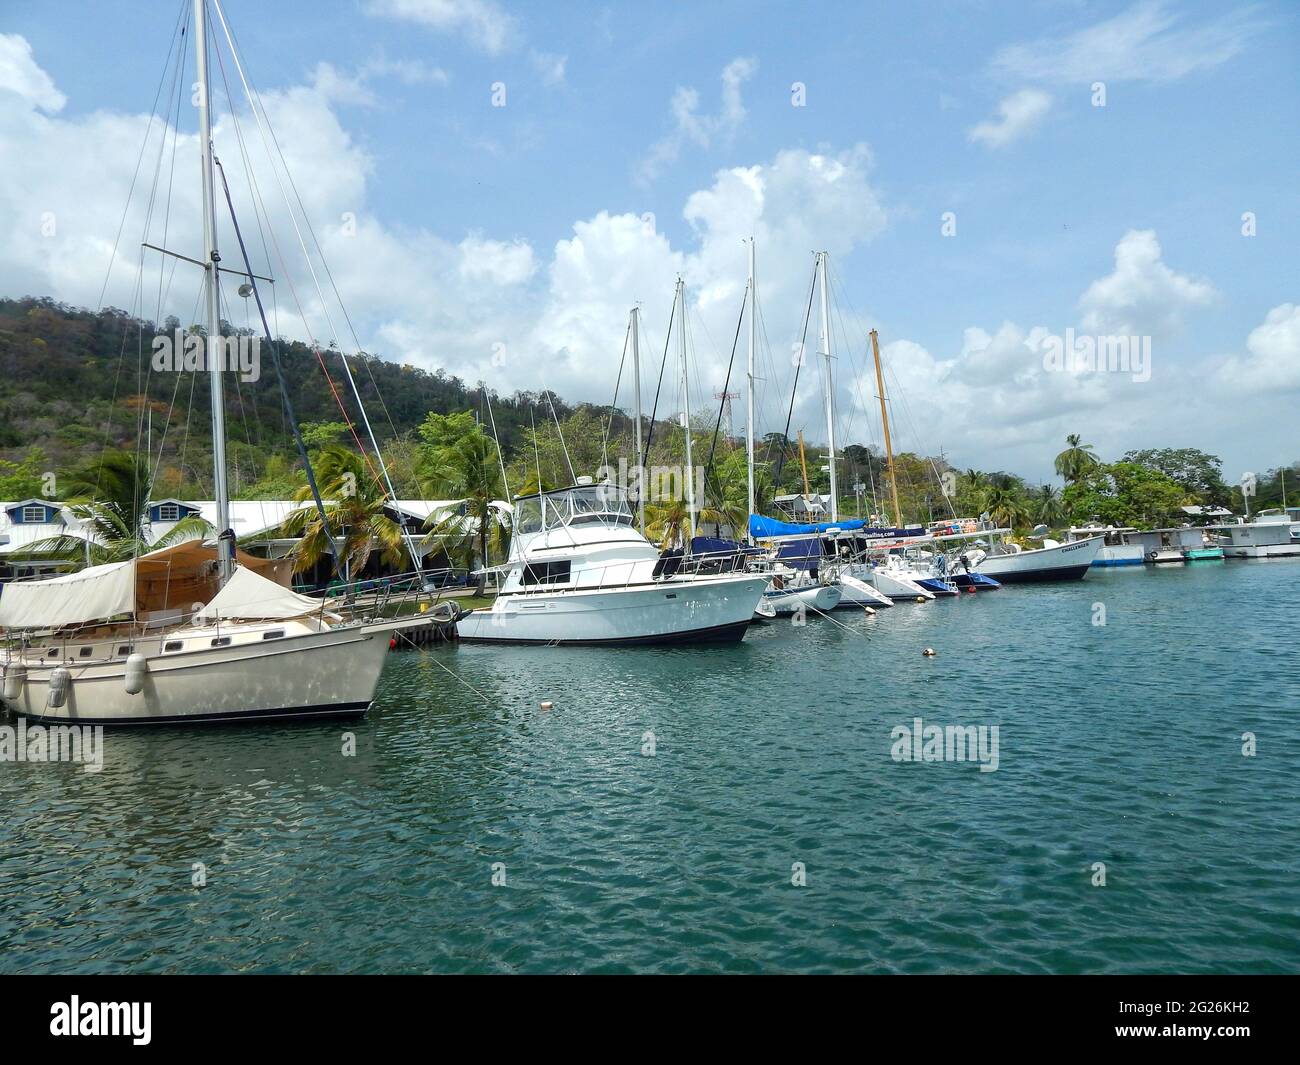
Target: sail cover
[(93, 594), (763, 528), (248, 597)]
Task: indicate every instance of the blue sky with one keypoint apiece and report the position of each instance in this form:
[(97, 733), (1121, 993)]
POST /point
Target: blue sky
[(506, 243)]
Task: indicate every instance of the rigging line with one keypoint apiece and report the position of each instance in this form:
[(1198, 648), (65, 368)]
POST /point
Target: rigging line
[(803, 345), (311, 231), (604, 447), (182, 22), (708, 465), (347, 369), (573, 479), (537, 457), (453, 673), (279, 373), (505, 481), (662, 363), (350, 422)]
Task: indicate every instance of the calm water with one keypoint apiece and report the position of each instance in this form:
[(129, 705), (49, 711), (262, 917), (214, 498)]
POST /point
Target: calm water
[(1119, 744)]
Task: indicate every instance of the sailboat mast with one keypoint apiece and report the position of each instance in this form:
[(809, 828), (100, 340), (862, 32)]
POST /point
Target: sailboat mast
[(212, 295), (884, 420), (829, 382), (640, 448), (749, 386), (686, 406)]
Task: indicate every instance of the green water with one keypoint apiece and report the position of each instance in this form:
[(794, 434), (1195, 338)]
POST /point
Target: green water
[(1119, 743)]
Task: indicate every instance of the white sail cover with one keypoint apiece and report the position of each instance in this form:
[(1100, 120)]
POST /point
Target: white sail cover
[(92, 594), (248, 597)]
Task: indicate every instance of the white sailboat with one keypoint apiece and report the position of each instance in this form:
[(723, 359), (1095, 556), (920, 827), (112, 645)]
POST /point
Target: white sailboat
[(194, 633)]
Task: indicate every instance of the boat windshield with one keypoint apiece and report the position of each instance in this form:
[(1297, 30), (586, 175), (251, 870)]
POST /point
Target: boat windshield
[(589, 504)]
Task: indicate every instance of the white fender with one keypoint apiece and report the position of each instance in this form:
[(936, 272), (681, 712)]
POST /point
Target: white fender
[(60, 682), (136, 668), (13, 688)]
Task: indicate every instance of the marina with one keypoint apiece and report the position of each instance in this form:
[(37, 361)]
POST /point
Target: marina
[(486, 491)]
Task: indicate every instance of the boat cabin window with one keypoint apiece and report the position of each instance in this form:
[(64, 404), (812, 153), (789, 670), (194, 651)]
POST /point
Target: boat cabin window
[(547, 573), (123, 651), (274, 634), (173, 645), (597, 503), (53, 652), (528, 516), (86, 652), (221, 641)]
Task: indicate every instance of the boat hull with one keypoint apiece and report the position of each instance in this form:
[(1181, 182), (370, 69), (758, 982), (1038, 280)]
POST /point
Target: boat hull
[(1064, 562), (1119, 555), (789, 601), (330, 674), (701, 610), (855, 592)]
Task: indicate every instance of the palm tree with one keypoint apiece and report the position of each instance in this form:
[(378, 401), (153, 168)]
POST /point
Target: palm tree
[(355, 508), (1006, 506), (111, 500), (1048, 508), (1076, 460), (469, 469)]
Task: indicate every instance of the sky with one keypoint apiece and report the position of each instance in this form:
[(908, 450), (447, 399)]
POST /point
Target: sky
[(493, 185)]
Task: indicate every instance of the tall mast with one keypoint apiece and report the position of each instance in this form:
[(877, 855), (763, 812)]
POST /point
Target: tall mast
[(216, 353), (829, 382), (640, 454), (686, 406), (749, 386), (884, 420)]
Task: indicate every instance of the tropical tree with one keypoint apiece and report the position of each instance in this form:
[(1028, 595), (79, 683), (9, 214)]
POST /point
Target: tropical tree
[(1005, 503), (1047, 506), (460, 461), (1076, 460), (111, 500), (355, 505)]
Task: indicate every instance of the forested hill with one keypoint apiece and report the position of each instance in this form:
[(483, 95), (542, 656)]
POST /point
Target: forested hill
[(73, 379)]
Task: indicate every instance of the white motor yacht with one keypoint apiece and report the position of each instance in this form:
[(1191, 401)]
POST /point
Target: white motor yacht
[(580, 573)]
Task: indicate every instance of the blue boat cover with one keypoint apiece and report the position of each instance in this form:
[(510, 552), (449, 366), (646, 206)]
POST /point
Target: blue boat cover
[(801, 554), (712, 545), (761, 528)]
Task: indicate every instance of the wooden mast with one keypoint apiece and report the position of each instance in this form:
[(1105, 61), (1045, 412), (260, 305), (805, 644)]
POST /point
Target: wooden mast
[(884, 418)]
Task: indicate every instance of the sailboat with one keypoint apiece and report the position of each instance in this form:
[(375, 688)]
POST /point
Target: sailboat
[(198, 632)]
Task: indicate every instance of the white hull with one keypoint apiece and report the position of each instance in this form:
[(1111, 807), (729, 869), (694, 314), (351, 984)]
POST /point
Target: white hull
[(1119, 555), (858, 593), (688, 610), (896, 586), (1068, 561), (788, 601), (330, 673), (1261, 550)]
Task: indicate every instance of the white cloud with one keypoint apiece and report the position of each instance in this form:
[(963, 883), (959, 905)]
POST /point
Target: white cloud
[(1018, 115), (700, 129), (482, 22), (1143, 296), (1273, 364), (496, 261), (19, 73), (1147, 42), (549, 66)]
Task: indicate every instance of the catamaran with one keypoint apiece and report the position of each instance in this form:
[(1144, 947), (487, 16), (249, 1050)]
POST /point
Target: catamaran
[(198, 632)]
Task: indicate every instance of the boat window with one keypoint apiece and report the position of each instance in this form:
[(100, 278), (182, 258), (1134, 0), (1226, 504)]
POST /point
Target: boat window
[(173, 645), (86, 652), (221, 641), (528, 516), (52, 653), (274, 634), (123, 651), (547, 573)]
